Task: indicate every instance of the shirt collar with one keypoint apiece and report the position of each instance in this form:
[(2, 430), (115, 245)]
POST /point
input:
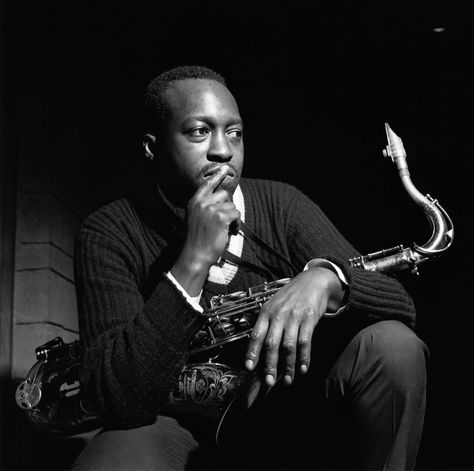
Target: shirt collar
[(238, 199)]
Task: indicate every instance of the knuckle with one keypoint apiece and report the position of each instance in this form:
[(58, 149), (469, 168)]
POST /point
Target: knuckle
[(220, 217), (271, 371), (289, 345), (301, 312), (271, 343), (304, 341), (270, 367), (251, 354), (279, 314), (255, 336), (201, 206)]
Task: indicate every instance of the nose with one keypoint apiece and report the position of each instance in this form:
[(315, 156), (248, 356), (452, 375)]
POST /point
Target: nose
[(219, 148)]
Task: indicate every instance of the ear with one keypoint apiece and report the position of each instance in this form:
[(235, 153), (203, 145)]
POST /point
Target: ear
[(148, 143)]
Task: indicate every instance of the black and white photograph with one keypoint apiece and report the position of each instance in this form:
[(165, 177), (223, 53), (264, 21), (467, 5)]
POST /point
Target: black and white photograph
[(236, 235)]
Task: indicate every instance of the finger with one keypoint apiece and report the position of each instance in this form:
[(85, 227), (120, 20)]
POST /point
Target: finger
[(211, 183), (289, 348), (219, 196), (305, 336), (226, 213), (257, 337), (272, 349), (225, 171)]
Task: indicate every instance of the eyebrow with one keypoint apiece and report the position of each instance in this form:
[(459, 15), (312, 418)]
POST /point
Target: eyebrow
[(208, 119)]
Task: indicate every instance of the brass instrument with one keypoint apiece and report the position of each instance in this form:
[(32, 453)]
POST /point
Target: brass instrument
[(207, 386)]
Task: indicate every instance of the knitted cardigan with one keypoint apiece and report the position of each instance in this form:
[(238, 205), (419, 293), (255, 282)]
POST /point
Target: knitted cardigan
[(135, 325)]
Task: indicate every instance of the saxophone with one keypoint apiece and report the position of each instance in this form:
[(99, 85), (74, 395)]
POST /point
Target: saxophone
[(205, 385)]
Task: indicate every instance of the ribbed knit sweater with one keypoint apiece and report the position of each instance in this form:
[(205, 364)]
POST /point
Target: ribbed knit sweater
[(135, 325)]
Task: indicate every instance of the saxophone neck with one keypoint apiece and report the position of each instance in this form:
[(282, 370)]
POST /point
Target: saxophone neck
[(399, 258), (442, 226)]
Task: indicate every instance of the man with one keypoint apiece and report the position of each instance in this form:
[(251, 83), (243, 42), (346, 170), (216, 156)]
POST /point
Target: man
[(338, 374)]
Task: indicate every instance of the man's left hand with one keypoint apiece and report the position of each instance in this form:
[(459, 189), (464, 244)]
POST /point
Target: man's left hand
[(281, 337)]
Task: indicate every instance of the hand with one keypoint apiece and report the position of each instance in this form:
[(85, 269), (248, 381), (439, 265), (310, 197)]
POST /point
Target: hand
[(285, 325), (211, 214)]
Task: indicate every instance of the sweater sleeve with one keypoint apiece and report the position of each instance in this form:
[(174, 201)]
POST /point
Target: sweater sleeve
[(372, 296), (133, 348)]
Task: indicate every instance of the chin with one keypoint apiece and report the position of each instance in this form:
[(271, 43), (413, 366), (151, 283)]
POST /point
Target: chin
[(230, 186)]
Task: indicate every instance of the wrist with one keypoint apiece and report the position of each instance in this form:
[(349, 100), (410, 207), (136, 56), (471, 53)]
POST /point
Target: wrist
[(333, 287), (322, 262), (191, 273)]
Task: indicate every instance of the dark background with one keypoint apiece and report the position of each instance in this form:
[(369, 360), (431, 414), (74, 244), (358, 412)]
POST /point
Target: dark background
[(315, 82)]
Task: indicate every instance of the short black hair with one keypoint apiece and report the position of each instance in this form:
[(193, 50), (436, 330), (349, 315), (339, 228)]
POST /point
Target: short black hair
[(155, 102)]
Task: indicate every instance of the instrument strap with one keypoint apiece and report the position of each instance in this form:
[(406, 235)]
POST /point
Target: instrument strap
[(249, 234)]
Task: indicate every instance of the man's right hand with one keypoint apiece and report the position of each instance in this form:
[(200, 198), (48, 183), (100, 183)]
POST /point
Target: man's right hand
[(210, 215)]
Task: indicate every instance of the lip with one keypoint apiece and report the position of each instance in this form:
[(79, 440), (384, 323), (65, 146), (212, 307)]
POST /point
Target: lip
[(213, 170)]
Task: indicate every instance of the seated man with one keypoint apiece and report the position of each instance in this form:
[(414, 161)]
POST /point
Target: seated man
[(337, 374)]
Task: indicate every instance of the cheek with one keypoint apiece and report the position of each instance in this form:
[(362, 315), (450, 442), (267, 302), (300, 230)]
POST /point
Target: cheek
[(238, 160), (188, 168), (186, 157)]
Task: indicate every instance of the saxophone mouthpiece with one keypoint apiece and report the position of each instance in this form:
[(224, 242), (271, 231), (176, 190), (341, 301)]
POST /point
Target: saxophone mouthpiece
[(395, 148)]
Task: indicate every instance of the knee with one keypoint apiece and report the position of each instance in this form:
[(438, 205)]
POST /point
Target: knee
[(397, 350)]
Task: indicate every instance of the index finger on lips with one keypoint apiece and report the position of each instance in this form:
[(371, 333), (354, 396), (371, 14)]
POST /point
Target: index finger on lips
[(211, 183)]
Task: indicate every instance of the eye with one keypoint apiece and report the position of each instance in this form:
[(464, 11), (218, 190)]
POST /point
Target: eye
[(198, 132), (235, 133)]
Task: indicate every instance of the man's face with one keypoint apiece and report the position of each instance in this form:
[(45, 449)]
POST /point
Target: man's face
[(203, 131)]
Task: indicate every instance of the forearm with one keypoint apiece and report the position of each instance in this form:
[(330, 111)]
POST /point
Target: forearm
[(131, 366), (375, 296), (372, 296), (133, 348)]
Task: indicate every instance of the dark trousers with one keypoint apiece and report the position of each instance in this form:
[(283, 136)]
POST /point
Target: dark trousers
[(361, 406)]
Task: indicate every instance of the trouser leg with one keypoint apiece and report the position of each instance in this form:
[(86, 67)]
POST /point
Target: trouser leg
[(380, 378), (361, 406), (366, 393), (165, 445)]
